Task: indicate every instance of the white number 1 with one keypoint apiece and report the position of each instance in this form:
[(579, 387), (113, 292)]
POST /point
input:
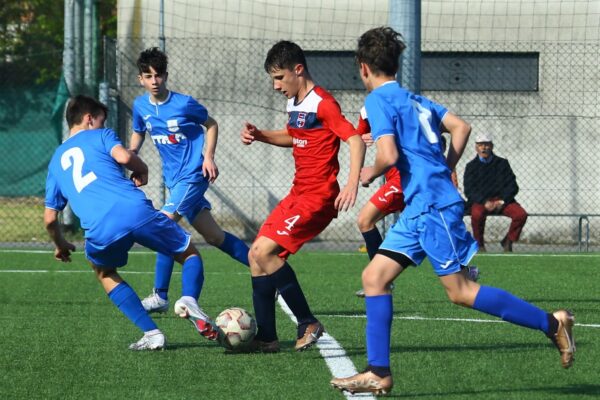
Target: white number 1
[(74, 157), (425, 122)]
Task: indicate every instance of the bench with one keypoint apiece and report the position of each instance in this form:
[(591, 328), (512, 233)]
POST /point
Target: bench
[(581, 219)]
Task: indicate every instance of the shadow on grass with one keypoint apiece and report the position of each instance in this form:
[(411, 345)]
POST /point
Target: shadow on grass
[(182, 346), (578, 389)]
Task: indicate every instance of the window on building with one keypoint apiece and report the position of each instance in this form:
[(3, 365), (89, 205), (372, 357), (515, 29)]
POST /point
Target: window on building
[(444, 71), (478, 71)]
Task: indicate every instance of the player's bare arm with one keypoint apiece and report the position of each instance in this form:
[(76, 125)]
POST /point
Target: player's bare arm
[(385, 158), (251, 133), (63, 249), (459, 132), (347, 197), (136, 141), (132, 162), (209, 167)]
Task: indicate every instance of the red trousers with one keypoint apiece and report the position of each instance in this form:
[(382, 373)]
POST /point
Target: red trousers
[(514, 211)]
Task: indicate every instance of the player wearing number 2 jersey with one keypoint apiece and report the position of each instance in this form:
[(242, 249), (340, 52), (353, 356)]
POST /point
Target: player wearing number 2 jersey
[(406, 129), (86, 171), (314, 129)]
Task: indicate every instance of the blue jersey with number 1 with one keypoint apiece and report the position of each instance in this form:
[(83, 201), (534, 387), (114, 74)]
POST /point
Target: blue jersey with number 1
[(83, 173), (415, 123)]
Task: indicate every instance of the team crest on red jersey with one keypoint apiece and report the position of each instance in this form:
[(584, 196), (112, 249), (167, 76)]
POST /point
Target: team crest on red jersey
[(301, 121)]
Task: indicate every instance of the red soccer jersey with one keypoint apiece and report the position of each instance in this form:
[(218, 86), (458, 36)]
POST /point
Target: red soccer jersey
[(363, 127), (316, 125)]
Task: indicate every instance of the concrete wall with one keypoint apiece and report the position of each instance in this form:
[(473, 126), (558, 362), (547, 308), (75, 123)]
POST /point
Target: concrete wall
[(549, 136)]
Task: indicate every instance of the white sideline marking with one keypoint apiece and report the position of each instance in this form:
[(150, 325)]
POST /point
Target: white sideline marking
[(333, 354), (87, 271), (354, 253), (419, 318), (334, 344)]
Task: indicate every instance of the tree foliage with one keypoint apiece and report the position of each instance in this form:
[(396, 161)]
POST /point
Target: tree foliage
[(31, 38)]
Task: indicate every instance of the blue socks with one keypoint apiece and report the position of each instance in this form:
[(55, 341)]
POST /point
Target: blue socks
[(373, 240), (192, 277), (231, 245), (510, 308), (379, 326), (162, 274), (236, 248), (128, 302), (263, 297)]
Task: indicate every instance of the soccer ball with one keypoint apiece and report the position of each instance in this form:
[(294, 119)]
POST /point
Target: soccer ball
[(238, 326)]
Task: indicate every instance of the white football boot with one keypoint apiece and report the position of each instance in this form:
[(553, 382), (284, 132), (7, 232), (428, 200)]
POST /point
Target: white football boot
[(152, 340), (155, 304), (187, 307)]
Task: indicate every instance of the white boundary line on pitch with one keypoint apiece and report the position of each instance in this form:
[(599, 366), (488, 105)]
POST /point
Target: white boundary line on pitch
[(88, 271), (333, 353), (284, 305), (346, 254), (419, 318)]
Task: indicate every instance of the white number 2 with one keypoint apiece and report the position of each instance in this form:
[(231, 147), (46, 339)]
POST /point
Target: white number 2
[(74, 157), (425, 122)]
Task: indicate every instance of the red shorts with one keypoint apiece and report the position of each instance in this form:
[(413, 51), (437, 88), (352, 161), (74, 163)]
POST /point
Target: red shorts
[(389, 198), (295, 221)]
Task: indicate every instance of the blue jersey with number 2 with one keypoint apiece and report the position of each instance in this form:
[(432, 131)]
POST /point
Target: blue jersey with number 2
[(415, 123), (83, 173)]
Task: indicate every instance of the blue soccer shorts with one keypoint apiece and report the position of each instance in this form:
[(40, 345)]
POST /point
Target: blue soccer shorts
[(187, 199), (439, 234), (160, 234)]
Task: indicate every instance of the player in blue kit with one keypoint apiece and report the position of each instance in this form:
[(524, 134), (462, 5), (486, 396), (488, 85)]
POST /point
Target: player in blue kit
[(175, 124), (406, 129), (86, 171)]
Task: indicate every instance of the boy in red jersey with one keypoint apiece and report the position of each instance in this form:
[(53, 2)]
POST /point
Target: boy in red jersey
[(386, 200), (314, 129)]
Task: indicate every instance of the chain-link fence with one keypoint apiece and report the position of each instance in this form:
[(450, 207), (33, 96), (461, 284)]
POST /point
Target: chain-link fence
[(546, 132), (30, 130)]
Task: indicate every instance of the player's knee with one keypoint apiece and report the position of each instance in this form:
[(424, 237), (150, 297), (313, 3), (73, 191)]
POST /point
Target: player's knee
[(257, 254), (103, 273), (188, 252), (373, 281), (364, 223), (214, 239), (458, 297)]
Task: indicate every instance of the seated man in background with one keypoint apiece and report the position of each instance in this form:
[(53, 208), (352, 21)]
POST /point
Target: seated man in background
[(491, 187)]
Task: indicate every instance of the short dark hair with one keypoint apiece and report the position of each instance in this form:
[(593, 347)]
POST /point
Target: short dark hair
[(80, 105), (380, 48), (284, 55), (152, 57)]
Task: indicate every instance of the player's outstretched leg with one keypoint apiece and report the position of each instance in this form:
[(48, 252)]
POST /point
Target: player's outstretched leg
[(557, 326), (235, 247), (158, 301), (128, 302), (206, 225), (192, 279)]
